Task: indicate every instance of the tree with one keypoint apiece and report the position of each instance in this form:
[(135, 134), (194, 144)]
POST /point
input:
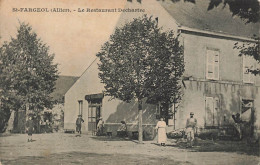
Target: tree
[(247, 10), (166, 68), (27, 74), (133, 59)]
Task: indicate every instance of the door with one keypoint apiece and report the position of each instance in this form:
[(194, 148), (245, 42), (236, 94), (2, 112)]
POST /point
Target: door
[(212, 110), (93, 116)]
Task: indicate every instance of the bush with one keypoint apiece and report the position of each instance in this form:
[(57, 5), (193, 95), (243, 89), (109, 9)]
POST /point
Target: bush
[(179, 133)]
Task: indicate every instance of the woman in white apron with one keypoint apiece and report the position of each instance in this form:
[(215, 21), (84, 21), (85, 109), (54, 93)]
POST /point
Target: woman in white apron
[(161, 132)]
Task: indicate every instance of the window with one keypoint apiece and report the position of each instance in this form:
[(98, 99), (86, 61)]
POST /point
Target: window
[(212, 69), (92, 113), (80, 107), (248, 64), (212, 109)]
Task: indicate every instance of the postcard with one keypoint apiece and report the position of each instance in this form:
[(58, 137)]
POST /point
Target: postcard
[(129, 82)]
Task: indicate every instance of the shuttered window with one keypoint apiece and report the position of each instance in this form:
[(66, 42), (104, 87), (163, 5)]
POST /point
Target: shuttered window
[(212, 69), (212, 110), (248, 64)]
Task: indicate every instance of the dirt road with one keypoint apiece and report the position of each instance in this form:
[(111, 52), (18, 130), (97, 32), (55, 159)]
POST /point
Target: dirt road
[(60, 148)]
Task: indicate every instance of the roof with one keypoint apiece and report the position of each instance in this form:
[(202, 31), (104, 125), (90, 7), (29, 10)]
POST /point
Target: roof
[(63, 84), (218, 19)]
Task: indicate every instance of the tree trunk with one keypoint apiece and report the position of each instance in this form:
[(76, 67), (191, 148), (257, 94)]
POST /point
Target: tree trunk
[(27, 111), (10, 123), (174, 115), (140, 121)]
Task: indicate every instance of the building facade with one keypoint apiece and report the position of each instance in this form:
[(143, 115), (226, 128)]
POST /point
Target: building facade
[(216, 82)]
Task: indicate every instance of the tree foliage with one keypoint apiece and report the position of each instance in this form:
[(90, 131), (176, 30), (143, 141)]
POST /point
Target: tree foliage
[(166, 67), (250, 49), (27, 73), (247, 10), (141, 61)]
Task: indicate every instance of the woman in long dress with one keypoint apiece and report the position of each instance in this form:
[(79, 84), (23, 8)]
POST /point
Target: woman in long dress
[(161, 132)]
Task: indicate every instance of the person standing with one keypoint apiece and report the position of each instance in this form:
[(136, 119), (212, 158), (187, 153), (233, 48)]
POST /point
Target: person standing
[(47, 126), (191, 125), (122, 130), (30, 128), (100, 126), (78, 124), (238, 124), (161, 132)]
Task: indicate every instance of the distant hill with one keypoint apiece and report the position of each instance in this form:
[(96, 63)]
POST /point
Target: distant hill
[(63, 84)]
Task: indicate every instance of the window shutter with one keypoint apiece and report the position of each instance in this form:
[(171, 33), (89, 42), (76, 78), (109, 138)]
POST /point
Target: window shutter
[(210, 65), (216, 65), (216, 111), (212, 71), (251, 64)]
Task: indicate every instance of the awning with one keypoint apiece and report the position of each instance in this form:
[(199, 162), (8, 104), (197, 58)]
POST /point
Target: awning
[(94, 97)]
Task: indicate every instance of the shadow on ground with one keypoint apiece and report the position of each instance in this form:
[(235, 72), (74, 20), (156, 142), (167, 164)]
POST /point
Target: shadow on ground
[(200, 145), (106, 138), (93, 158), (7, 134)]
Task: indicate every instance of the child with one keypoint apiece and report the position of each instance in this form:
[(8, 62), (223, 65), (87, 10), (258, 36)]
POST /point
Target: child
[(30, 129), (78, 124)]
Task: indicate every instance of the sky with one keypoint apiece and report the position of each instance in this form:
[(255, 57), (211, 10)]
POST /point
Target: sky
[(74, 37)]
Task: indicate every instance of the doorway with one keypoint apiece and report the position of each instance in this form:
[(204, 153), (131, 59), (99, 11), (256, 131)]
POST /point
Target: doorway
[(94, 110), (248, 116), (93, 116)]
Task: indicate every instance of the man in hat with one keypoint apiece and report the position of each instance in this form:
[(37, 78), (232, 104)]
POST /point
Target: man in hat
[(78, 124), (191, 125)]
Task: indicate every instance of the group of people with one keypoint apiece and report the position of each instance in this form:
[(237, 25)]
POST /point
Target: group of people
[(191, 125), (45, 126), (100, 125)]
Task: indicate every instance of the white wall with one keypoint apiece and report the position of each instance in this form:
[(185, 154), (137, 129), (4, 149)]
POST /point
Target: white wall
[(88, 83)]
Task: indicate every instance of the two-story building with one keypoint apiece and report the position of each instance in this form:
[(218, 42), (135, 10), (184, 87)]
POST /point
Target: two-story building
[(216, 82)]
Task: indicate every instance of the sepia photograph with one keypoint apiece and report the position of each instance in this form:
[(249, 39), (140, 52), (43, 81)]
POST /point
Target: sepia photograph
[(129, 82)]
